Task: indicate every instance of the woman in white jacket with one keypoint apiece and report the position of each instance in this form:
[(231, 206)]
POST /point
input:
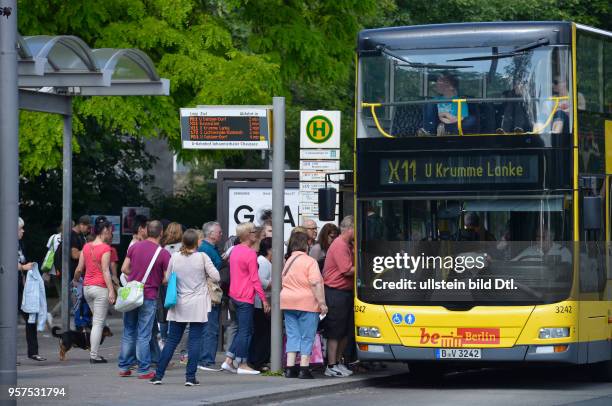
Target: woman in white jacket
[(192, 306)]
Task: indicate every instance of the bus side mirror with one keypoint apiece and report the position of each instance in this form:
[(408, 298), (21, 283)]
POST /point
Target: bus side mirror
[(591, 213), (327, 204)]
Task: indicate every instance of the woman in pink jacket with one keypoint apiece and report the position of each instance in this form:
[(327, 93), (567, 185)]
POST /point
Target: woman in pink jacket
[(244, 284)]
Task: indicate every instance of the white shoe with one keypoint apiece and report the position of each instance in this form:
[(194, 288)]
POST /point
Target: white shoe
[(228, 367), (210, 368), (242, 371), (344, 370), (334, 371)]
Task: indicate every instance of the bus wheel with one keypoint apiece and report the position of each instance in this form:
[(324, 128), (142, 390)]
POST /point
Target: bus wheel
[(427, 370), (602, 371)]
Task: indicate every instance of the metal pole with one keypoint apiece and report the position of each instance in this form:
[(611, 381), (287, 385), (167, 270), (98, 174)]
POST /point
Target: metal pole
[(278, 225), (66, 221), (9, 196)]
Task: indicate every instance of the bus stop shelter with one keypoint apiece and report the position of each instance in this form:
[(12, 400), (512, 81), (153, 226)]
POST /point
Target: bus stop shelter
[(43, 73)]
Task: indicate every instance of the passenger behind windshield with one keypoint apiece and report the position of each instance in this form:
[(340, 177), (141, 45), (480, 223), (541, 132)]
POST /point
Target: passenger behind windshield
[(472, 230), (441, 118), (544, 249)]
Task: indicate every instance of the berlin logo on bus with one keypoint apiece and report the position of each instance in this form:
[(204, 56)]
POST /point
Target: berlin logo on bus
[(462, 336), (319, 129)]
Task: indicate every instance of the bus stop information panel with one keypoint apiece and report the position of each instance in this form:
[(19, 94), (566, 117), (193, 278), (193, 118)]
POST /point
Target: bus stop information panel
[(224, 128)]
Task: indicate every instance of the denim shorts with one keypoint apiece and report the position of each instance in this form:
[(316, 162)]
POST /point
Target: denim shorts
[(300, 327)]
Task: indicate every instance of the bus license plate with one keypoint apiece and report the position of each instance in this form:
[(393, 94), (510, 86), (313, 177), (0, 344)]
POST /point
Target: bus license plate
[(458, 353)]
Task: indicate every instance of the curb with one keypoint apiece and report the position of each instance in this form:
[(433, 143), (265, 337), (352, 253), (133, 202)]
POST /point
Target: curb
[(305, 392)]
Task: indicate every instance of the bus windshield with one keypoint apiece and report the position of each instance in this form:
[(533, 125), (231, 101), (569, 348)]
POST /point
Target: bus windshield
[(406, 93), (479, 241)]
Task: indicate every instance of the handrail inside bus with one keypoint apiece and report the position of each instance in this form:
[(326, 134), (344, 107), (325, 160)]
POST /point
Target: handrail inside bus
[(537, 131)]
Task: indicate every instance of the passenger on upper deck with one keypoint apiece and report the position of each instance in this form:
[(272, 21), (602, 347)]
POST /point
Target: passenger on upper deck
[(516, 116), (441, 118)]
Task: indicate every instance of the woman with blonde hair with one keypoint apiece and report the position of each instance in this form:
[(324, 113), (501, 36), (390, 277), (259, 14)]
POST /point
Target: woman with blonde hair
[(244, 284), (192, 306)]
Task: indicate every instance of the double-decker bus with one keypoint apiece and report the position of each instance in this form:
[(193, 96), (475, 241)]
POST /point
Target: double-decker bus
[(483, 168)]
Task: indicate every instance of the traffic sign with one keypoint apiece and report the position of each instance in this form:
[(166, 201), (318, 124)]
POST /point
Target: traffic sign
[(319, 165), (320, 129), (319, 154)]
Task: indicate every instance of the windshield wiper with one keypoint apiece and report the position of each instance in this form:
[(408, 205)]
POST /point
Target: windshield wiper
[(518, 51), (383, 49)]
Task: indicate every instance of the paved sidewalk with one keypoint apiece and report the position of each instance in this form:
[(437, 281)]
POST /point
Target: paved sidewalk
[(99, 384)]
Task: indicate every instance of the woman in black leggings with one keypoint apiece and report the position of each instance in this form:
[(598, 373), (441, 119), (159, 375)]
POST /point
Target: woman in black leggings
[(23, 267)]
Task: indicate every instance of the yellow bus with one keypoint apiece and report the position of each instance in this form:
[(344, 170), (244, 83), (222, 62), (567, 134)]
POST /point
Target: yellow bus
[(483, 165)]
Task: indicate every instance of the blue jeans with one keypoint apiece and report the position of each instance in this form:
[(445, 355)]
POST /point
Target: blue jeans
[(153, 344), (301, 328), (175, 334), (239, 350), (210, 337), (135, 343)]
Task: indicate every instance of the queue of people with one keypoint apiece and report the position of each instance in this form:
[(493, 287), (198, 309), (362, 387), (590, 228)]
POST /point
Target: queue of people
[(315, 295)]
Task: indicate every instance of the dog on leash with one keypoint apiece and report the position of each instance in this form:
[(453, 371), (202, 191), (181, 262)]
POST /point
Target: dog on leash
[(80, 339)]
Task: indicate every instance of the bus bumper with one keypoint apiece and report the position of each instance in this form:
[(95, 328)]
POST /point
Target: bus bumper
[(385, 352)]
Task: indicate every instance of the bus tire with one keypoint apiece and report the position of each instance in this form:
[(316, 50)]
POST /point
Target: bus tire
[(602, 371), (427, 370)]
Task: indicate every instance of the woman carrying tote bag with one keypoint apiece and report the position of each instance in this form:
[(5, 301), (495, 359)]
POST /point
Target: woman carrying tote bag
[(192, 305)]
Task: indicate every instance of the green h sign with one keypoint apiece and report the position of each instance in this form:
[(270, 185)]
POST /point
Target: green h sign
[(319, 129)]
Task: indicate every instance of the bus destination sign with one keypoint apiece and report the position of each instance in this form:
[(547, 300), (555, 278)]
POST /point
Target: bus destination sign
[(463, 169), (221, 127)]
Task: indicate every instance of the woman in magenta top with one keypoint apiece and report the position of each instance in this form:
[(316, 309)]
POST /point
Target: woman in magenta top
[(244, 284), (98, 287)]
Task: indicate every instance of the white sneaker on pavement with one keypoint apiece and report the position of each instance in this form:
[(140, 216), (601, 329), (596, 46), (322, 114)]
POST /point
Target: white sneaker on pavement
[(228, 367), (334, 372), (210, 368), (344, 370), (242, 371)]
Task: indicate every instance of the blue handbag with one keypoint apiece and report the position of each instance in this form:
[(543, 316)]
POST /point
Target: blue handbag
[(171, 292)]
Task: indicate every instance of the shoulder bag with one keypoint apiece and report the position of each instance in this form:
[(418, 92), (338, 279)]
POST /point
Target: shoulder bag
[(214, 290), (131, 296)]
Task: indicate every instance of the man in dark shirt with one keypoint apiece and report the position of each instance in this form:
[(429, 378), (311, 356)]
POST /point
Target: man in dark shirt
[(210, 338), (78, 238)]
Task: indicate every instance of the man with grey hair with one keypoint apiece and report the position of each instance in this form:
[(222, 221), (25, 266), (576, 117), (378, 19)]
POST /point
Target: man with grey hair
[(338, 273), (210, 335), (311, 231)]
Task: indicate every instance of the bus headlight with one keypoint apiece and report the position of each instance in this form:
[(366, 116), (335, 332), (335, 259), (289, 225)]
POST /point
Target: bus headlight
[(373, 332), (554, 332)]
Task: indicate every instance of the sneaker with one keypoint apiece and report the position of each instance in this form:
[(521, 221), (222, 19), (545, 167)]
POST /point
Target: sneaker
[(148, 375), (192, 382), (125, 374), (344, 370), (99, 360), (244, 371), (334, 371), (155, 381), (210, 368), (228, 367)]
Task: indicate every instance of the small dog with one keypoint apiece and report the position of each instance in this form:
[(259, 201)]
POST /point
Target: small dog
[(80, 339)]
